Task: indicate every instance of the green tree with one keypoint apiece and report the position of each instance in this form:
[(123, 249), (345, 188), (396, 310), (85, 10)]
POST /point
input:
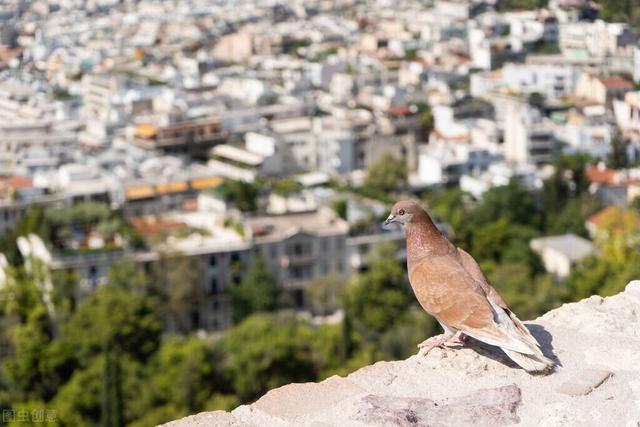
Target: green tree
[(340, 208), (323, 294), (266, 351), (618, 260), (617, 158), (185, 376), (426, 122), (125, 274), (109, 338), (123, 318), (258, 291), (327, 350), (33, 222), (572, 218), (29, 333), (65, 293), (242, 194), (512, 202), (413, 327), (387, 174), (376, 298), (112, 406), (286, 187), (22, 371), (178, 288), (527, 295), (507, 5), (537, 100), (620, 11)]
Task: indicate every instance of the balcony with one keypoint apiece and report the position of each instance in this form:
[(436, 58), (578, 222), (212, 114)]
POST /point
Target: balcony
[(296, 260)]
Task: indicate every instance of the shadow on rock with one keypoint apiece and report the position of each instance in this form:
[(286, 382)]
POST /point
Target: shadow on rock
[(546, 342), (495, 353)]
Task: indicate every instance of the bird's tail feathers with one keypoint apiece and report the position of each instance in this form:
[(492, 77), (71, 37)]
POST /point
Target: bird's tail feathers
[(523, 329), (521, 346), (530, 362)]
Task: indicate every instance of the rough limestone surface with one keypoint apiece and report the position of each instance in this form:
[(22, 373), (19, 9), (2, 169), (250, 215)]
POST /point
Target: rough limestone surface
[(595, 342)]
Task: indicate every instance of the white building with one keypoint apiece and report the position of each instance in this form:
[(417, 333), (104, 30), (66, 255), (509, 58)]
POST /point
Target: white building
[(588, 132), (499, 174), (597, 39), (627, 113), (528, 137), (552, 81), (560, 254), (442, 163)]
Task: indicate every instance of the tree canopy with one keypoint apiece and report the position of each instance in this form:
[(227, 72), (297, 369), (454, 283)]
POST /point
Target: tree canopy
[(388, 174)]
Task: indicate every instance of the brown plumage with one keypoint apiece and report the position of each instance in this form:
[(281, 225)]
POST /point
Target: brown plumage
[(450, 286)]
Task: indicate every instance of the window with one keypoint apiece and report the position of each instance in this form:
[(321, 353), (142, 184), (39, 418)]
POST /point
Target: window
[(195, 319), (296, 272), (298, 297), (235, 257), (298, 249), (300, 273), (212, 260), (213, 286), (273, 251)]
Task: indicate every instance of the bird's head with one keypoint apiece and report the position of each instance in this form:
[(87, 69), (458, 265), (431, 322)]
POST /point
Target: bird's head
[(404, 212)]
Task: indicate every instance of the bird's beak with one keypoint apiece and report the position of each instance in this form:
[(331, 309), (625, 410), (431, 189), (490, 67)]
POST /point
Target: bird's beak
[(389, 220)]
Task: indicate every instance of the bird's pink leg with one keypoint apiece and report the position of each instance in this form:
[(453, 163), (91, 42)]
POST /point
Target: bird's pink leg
[(430, 343), (440, 340), (459, 338)]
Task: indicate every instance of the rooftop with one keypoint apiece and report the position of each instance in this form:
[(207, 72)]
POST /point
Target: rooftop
[(195, 233), (616, 82), (611, 213), (319, 222), (570, 245), (237, 155), (610, 177)]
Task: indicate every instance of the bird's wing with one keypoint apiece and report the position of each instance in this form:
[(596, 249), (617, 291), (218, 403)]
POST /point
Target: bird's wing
[(474, 270), (446, 290), (470, 264)]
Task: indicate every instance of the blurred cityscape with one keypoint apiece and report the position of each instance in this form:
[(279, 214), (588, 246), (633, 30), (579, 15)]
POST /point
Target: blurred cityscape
[(192, 192)]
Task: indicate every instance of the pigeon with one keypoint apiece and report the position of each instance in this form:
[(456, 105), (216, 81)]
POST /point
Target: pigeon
[(450, 286)]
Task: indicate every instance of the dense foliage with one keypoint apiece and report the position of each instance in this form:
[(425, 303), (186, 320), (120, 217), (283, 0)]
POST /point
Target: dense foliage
[(620, 11), (387, 175)]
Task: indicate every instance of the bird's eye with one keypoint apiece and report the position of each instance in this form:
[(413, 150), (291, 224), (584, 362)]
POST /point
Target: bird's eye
[(401, 212)]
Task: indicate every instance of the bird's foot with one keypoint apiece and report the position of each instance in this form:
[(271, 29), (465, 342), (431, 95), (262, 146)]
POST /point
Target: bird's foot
[(459, 338), (430, 343), (439, 341)]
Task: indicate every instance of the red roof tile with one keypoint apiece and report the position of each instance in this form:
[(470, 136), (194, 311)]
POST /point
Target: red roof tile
[(616, 82)]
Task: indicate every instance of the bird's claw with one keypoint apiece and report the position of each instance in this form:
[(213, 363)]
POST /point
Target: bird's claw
[(439, 341)]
